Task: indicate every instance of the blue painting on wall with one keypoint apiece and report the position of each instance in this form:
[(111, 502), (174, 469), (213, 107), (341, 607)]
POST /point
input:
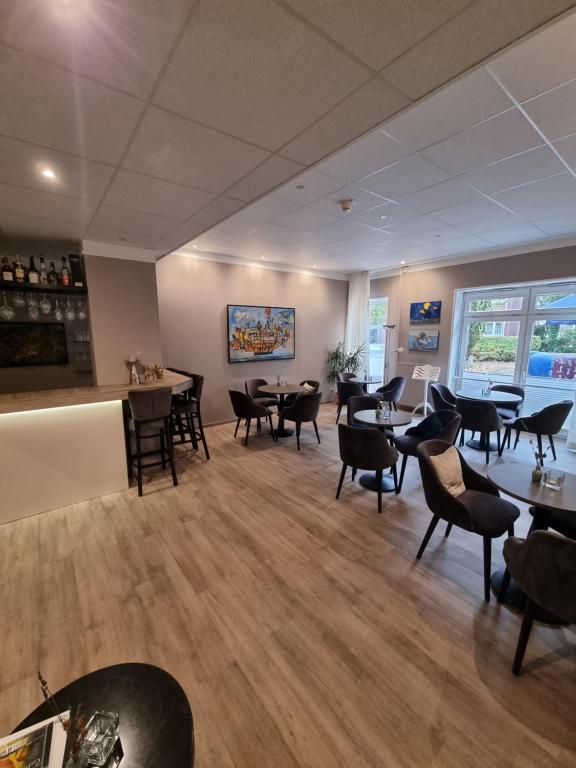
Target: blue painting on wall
[(425, 312), (423, 341)]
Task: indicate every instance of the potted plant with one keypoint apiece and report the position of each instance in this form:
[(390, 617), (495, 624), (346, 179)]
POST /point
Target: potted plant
[(338, 360)]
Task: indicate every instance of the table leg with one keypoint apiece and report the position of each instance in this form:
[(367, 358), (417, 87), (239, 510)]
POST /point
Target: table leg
[(281, 430), (516, 599), (480, 445), (368, 481)]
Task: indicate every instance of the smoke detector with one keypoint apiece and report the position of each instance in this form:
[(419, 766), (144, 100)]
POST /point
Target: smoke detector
[(346, 205)]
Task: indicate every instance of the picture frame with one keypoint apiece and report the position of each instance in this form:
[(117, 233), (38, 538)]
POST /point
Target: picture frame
[(259, 333), (423, 341), (425, 312)]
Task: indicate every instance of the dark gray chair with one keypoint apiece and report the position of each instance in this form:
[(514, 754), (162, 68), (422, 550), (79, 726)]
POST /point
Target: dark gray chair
[(509, 410), (151, 420), (187, 413), (440, 425), (544, 567), (548, 421), (391, 393), (442, 398), (558, 519), (479, 416), (479, 509), (245, 408), (346, 390), (366, 449), (304, 409), (346, 376), (365, 403), (289, 399), (252, 387)]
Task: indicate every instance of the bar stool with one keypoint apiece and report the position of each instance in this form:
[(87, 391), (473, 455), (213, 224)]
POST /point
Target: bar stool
[(186, 413), (151, 419)]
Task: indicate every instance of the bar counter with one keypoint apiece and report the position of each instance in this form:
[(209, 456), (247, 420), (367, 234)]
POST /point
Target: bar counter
[(62, 446)]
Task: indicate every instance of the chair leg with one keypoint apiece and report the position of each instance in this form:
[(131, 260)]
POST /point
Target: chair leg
[(171, 451), (552, 446), (316, 430), (192, 430), (338, 414), (402, 471), (395, 406), (427, 535), (461, 436), (517, 440), (540, 451), (247, 431), (379, 483), (524, 636), (258, 426), (138, 458), (502, 445), (504, 585), (298, 425), (237, 425), (163, 448), (344, 468), (395, 476), (202, 436), (487, 444), (499, 440), (353, 474), (487, 566), (180, 424), (448, 529)]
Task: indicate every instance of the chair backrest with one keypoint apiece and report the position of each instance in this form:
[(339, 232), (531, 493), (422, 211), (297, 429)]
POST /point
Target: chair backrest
[(392, 392), (439, 501), (150, 404), (311, 383), (252, 387), (346, 376), (365, 448), (195, 390), (550, 419), (360, 403), (544, 567), (446, 422), (305, 407), (512, 389), (348, 389), (451, 421), (241, 403), (479, 415), (442, 397)]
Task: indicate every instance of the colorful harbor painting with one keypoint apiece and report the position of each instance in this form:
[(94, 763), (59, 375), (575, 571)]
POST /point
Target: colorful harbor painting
[(260, 333), (425, 312), (423, 341)]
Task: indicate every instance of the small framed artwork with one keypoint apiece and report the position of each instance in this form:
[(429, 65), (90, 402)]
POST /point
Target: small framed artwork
[(422, 312), (257, 333), (423, 341)]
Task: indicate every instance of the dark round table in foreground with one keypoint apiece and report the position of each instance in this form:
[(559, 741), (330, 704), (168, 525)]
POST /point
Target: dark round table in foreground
[(156, 727), (395, 419)]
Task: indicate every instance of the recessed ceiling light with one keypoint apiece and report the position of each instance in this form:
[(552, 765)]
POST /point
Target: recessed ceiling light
[(314, 266), (402, 262), (383, 217), (49, 173), (300, 186), (194, 246), (262, 258)]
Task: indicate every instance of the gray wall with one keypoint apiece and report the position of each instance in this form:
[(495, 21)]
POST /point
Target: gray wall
[(440, 283), (124, 315), (193, 295)]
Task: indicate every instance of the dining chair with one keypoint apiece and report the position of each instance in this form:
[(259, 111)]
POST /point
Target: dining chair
[(366, 449), (506, 409), (187, 412), (346, 376), (549, 421), (391, 393), (246, 408), (252, 389), (471, 502), (346, 390), (544, 567), (442, 397), (313, 385), (304, 409), (365, 403), (479, 416)]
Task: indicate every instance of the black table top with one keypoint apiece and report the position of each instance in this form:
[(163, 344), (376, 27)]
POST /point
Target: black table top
[(156, 727)]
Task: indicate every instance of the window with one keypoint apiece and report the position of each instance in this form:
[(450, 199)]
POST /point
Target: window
[(378, 316), (559, 300), (493, 329), (490, 304)]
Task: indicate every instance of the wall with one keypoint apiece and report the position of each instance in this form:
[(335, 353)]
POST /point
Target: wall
[(193, 295), (124, 314), (440, 283)]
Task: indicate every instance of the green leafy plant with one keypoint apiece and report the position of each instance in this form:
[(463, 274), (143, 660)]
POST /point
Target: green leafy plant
[(338, 360)]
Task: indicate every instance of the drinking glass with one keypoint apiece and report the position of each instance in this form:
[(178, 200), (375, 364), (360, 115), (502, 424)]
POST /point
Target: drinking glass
[(45, 305), (19, 300), (80, 311), (553, 479), (69, 314), (386, 410), (6, 311), (58, 314), (33, 309)]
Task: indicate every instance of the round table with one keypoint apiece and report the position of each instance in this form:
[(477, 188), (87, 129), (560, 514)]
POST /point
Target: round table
[(282, 390), (490, 397), (156, 727), (395, 419), (366, 382), (515, 479)]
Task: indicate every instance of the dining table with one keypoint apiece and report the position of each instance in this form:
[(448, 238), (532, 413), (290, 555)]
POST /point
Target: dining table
[(366, 381), (370, 418), (490, 397), (281, 391), (514, 478)]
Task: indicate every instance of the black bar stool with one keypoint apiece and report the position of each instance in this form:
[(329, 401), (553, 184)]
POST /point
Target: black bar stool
[(186, 412), (151, 420)]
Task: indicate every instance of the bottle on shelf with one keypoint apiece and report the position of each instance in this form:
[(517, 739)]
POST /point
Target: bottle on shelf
[(43, 272), (33, 274), (52, 275), (19, 271), (64, 274), (7, 271)]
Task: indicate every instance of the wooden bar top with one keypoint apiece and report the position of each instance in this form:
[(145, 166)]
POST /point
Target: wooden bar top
[(16, 402)]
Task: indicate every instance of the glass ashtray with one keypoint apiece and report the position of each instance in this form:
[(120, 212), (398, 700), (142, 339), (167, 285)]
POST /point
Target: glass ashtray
[(553, 479), (101, 735)]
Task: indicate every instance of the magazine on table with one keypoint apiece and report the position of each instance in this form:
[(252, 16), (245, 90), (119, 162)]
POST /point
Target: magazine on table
[(40, 746)]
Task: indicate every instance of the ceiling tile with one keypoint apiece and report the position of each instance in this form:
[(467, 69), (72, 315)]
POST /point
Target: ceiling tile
[(216, 210), (439, 196), (114, 236), (528, 166), (265, 210), (404, 177), (567, 148), (366, 240), (363, 200), (306, 219), (534, 65), (473, 209), (464, 245), (462, 104), (123, 220), (265, 177), (44, 205), (502, 136), (384, 215), (554, 112), (172, 148), (179, 237), (415, 226), (563, 224), (230, 229), (500, 218), (21, 164), (97, 39), (552, 188), (313, 186), (365, 156), (364, 109), (546, 208), (32, 226), (81, 117), (150, 195), (518, 233), (373, 33), (272, 74), (341, 229)]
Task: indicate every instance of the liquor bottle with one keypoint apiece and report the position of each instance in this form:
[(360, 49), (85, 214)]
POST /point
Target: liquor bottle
[(65, 274), (43, 272), (33, 274), (52, 275), (7, 271), (19, 271)]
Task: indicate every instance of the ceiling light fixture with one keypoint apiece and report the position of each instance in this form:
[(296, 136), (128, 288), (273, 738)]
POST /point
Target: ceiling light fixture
[(194, 246), (49, 173), (262, 258), (383, 217), (314, 266), (402, 262), (346, 205)]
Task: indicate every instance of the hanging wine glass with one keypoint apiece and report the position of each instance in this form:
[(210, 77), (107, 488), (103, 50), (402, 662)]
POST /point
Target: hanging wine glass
[(19, 300), (33, 310), (6, 311), (80, 310), (58, 314), (45, 305), (69, 314)]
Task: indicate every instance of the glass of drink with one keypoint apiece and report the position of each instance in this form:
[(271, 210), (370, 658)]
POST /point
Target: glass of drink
[(553, 479)]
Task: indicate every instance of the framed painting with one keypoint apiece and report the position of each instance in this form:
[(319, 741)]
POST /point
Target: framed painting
[(425, 312), (260, 333), (423, 341)]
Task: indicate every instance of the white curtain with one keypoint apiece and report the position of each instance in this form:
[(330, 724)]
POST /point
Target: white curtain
[(358, 308), (571, 442)]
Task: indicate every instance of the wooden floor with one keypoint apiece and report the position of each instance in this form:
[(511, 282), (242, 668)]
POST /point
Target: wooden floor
[(301, 628)]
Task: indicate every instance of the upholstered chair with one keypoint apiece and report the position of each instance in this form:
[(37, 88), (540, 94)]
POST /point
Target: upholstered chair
[(391, 393), (548, 421), (346, 390), (252, 388), (187, 412), (442, 398), (246, 408), (304, 409), (479, 416)]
